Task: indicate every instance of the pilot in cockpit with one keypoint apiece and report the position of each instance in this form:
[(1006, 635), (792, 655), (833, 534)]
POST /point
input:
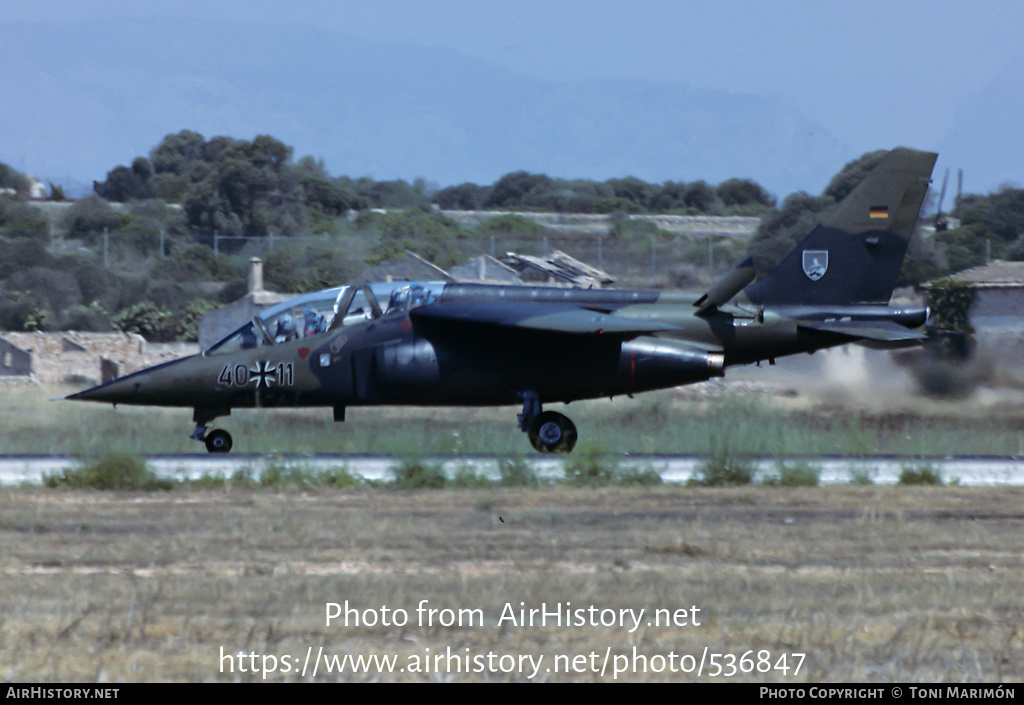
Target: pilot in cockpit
[(409, 297), (315, 322), (285, 328)]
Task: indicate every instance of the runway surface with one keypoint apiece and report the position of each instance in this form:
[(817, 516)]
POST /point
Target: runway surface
[(882, 470)]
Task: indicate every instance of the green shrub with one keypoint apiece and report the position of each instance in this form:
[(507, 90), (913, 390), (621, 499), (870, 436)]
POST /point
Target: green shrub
[(510, 224), (85, 318), (589, 469), (630, 230), (112, 472), (862, 477), (431, 236), (281, 474), (516, 472), (798, 474), (920, 475), (724, 469), (207, 481), (197, 263), (635, 477), (92, 215), (596, 469), (187, 325), (243, 477), (20, 220), (414, 474), (466, 477), (950, 302), (277, 475), (337, 477), (147, 319)]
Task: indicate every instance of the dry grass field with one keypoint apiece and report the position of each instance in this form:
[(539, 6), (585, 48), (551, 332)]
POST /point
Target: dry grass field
[(664, 583), (871, 584)]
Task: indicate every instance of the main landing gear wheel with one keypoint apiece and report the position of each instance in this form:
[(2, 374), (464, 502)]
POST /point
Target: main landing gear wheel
[(218, 441), (551, 432)]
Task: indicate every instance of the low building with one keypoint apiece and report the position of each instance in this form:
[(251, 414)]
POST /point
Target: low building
[(412, 268), (998, 295), (485, 269), (14, 361)]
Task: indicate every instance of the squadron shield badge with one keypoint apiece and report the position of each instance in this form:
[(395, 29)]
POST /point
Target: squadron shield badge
[(815, 264)]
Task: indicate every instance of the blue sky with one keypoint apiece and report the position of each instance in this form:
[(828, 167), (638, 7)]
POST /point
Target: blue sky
[(876, 72)]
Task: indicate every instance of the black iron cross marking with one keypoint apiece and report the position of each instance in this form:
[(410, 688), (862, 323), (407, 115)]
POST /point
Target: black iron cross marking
[(263, 373)]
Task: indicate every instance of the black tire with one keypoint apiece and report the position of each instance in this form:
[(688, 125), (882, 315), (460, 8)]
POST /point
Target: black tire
[(552, 432), (218, 441)]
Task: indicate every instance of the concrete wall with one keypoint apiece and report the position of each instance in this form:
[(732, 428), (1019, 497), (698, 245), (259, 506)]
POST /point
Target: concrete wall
[(56, 358), (598, 224), (1001, 302)]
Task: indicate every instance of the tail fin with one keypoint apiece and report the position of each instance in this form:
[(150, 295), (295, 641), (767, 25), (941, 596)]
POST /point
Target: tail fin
[(855, 255)]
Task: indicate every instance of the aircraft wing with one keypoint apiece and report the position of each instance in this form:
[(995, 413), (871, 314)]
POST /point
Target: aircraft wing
[(555, 318), (881, 331)]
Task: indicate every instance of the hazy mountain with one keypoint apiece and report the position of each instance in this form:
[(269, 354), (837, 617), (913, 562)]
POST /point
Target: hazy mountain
[(986, 139), (79, 99)]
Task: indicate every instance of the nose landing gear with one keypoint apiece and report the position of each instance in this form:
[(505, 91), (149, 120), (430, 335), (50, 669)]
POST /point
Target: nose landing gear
[(217, 440)]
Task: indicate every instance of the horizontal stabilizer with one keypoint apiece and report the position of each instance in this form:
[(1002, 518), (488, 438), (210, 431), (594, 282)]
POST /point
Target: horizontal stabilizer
[(882, 331), (540, 316)]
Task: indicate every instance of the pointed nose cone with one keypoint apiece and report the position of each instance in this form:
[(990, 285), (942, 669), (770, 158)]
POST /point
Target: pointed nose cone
[(158, 385), (118, 391)]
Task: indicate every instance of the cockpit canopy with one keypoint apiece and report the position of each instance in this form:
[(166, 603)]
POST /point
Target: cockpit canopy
[(329, 309)]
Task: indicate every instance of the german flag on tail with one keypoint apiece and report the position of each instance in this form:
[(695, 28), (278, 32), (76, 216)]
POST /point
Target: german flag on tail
[(879, 212)]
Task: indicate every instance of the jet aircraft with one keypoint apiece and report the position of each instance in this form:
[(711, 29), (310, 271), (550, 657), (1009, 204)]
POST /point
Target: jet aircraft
[(449, 344)]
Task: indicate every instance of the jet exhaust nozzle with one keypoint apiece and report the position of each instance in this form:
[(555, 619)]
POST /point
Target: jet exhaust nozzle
[(655, 363)]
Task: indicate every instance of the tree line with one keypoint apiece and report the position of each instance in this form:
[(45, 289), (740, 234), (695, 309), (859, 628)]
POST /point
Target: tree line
[(237, 187), (161, 241)]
